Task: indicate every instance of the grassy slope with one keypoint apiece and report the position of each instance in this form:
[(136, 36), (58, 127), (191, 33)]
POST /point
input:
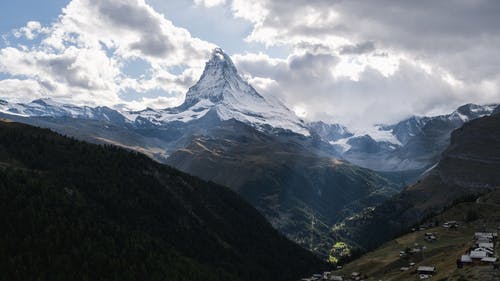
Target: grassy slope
[(468, 167), (384, 263)]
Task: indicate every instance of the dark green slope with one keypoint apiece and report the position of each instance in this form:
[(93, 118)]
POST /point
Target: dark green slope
[(76, 211)]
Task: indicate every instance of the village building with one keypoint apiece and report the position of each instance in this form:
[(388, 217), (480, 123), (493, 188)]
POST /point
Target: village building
[(477, 255), (356, 276), (466, 259), (450, 224), (429, 270), (486, 245), (489, 260), (425, 272)]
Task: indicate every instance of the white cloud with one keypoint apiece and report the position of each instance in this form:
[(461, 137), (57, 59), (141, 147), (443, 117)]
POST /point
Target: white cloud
[(81, 56), (356, 62), (31, 30), (377, 61), (209, 3), (16, 90), (308, 83)]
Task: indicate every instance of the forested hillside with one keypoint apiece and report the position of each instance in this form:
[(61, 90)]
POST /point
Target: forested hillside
[(77, 211)]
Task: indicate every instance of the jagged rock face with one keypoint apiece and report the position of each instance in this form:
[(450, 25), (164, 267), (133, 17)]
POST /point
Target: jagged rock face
[(417, 141), (221, 88), (329, 132), (409, 128), (220, 81)]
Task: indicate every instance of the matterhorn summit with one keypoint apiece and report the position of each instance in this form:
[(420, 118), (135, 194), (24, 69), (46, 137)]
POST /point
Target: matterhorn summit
[(222, 90)]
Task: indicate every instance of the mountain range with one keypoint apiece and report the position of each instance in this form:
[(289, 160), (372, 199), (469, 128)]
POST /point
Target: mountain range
[(228, 133), (303, 177), (467, 168), (415, 143)]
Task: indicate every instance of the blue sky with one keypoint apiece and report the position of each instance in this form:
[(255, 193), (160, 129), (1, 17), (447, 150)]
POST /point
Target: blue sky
[(353, 62), (14, 14)]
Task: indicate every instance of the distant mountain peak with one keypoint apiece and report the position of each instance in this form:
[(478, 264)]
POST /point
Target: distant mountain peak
[(220, 81), (221, 89), (220, 60)]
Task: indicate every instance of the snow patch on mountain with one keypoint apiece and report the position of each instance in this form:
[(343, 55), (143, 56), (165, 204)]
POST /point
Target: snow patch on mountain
[(341, 145), (378, 134)]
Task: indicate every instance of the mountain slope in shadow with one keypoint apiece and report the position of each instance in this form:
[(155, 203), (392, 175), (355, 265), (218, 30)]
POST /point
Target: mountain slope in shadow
[(77, 211)]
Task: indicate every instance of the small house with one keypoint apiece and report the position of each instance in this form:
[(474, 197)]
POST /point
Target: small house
[(450, 224), (489, 260), (356, 275), (466, 259), (487, 235), (430, 238), (486, 245), (477, 254), (487, 251), (427, 270)]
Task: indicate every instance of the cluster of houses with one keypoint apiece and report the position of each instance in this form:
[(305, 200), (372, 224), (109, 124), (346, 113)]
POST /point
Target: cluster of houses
[(424, 273), (412, 251), (482, 252), (330, 276)]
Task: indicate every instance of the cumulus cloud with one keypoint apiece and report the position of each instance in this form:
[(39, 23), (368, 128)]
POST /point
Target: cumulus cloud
[(355, 62), (359, 48), (308, 83), (376, 61), (31, 30), (81, 56)]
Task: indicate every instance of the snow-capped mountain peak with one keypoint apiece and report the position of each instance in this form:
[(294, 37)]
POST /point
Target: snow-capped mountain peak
[(220, 90), (220, 81), (223, 90)]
